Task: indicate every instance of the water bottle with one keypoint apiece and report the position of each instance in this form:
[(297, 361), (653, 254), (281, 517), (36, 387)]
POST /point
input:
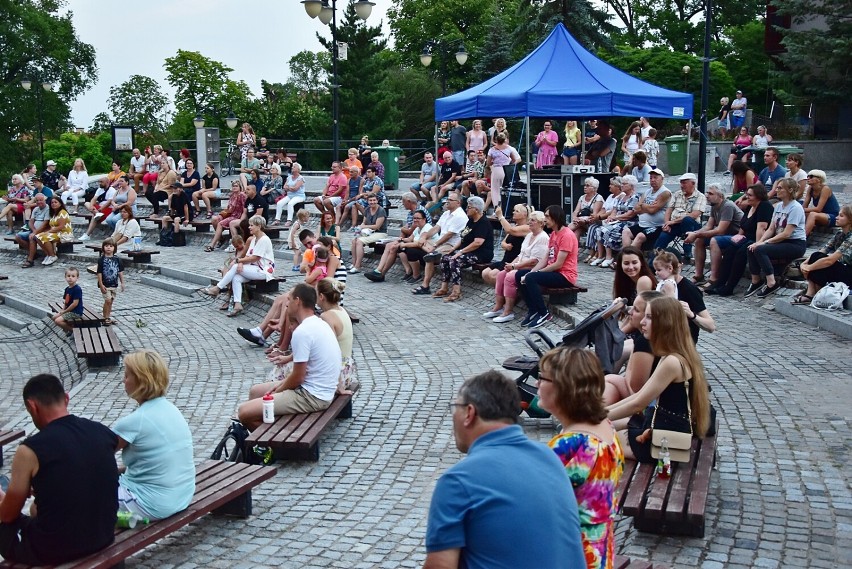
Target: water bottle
[(664, 463), (137, 243), (268, 408), (128, 520)]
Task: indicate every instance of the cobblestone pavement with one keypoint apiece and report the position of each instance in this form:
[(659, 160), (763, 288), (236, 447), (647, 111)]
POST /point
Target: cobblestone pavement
[(780, 496)]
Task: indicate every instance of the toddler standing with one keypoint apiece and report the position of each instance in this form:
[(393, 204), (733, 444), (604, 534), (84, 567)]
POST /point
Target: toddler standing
[(110, 276)]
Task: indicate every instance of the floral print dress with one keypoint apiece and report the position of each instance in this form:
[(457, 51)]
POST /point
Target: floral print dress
[(594, 468)]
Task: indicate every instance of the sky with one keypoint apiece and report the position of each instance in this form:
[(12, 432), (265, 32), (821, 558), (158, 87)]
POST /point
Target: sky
[(216, 28)]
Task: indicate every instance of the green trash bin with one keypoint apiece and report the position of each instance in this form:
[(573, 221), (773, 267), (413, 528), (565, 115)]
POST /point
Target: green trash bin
[(785, 151), (389, 156), (676, 154)]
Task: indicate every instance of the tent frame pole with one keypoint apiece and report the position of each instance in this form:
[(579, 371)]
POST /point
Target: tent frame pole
[(688, 142), (529, 165)]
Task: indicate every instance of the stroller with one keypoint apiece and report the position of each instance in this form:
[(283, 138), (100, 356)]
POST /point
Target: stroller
[(599, 329)]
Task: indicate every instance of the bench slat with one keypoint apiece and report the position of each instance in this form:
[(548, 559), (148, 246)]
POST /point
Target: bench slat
[(222, 481), (297, 429), (701, 481), (626, 477), (675, 508), (635, 497), (268, 431), (331, 413)]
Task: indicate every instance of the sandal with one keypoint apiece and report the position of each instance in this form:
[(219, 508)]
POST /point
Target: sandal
[(698, 279), (453, 297), (235, 312), (208, 248), (27, 264), (439, 293), (801, 299), (225, 306)]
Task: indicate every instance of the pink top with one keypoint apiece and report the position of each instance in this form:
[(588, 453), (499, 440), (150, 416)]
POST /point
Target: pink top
[(564, 240), (743, 140), (337, 185)]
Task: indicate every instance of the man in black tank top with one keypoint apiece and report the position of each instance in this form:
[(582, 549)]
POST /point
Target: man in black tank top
[(70, 467)]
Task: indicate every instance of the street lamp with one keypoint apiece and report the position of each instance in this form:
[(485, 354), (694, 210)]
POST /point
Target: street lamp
[(47, 87), (426, 58), (686, 69), (231, 120), (328, 15)]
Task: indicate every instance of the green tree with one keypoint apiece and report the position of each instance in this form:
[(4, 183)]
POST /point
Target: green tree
[(662, 67), (92, 148), (679, 24), (817, 53), (309, 74), (38, 42), (589, 25), (360, 75), (101, 123), (745, 58), (414, 22), (496, 51), (139, 102)]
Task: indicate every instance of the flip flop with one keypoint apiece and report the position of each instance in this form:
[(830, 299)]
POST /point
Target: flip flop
[(801, 299), (235, 312)]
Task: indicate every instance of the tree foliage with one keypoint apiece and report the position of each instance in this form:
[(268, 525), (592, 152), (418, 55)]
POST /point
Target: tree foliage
[(360, 75), (744, 57), (92, 148), (40, 44), (139, 102), (589, 25), (101, 123), (818, 61)]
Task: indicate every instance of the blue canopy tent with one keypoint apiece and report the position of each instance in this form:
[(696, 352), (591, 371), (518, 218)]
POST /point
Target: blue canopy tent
[(561, 79)]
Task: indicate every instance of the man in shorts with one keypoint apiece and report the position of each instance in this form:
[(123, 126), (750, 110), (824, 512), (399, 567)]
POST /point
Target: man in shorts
[(333, 193), (316, 358)]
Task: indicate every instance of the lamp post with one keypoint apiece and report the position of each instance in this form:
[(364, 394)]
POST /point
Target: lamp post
[(426, 58), (686, 69), (328, 16), (201, 136), (46, 86)]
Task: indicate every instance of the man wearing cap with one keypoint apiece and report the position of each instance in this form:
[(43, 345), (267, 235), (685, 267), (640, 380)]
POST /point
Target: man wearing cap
[(650, 212), (683, 214), (50, 177), (738, 111)]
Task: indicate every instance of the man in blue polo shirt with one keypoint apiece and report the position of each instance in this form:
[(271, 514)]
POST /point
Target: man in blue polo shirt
[(509, 504), (773, 172)]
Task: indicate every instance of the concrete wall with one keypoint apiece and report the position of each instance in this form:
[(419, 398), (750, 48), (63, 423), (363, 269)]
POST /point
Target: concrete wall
[(822, 154)]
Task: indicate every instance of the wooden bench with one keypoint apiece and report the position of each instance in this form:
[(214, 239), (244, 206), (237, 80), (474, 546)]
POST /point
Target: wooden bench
[(201, 226), (7, 437), (563, 295), (141, 256), (297, 436), (273, 232), (266, 286), (674, 505), (90, 317), (61, 246), (99, 345), (221, 488)]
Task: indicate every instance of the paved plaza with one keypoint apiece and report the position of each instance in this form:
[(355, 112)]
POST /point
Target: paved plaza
[(780, 494)]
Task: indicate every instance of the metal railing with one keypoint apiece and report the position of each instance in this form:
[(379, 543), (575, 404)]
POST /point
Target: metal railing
[(316, 154)]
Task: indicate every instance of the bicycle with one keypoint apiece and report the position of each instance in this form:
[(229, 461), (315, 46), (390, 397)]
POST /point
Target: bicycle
[(231, 160)]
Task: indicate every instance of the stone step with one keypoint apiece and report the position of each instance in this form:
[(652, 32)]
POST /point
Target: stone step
[(176, 287), (838, 322), (11, 318), (25, 306)]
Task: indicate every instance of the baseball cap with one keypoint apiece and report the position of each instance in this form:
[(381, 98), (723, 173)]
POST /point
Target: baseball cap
[(689, 176), (658, 171), (740, 92), (51, 163)]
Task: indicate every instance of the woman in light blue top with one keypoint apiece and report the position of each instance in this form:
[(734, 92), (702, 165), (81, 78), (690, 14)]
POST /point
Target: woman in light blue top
[(155, 443), (294, 193)]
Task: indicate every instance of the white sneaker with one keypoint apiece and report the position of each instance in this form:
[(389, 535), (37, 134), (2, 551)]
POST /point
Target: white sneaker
[(596, 262), (354, 270), (99, 215), (492, 313), (230, 249), (49, 260), (507, 318), (607, 263), (85, 237)]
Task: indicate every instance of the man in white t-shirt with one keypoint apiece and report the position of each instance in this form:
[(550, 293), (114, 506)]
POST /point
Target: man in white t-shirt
[(316, 357), (450, 226), (137, 168)]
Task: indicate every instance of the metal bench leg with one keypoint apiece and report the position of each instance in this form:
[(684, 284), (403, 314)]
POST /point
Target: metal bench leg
[(238, 507), (345, 413)]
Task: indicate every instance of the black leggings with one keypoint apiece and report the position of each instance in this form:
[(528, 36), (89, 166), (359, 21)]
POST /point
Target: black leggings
[(838, 272), (733, 265), (155, 197), (760, 260)]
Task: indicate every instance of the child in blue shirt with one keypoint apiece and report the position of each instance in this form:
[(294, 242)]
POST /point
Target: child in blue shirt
[(73, 299), (110, 275)]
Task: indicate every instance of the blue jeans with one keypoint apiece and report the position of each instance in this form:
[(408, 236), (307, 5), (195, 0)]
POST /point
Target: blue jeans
[(678, 230), (531, 289), (458, 156), (737, 122)]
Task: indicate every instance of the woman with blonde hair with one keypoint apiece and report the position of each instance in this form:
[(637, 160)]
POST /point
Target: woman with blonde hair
[(571, 386), (573, 141), (499, 128), (155, 443), (678, 385), (329, 293), (78, 182)]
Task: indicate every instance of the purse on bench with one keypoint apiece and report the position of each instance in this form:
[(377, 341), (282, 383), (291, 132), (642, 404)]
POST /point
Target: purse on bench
[(678, 443)]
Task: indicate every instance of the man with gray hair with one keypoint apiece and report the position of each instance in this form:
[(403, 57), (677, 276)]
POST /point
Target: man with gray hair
[(508, 491), (409, 202), (476, 246), (683, 214), (725, 218), (449, 228)]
